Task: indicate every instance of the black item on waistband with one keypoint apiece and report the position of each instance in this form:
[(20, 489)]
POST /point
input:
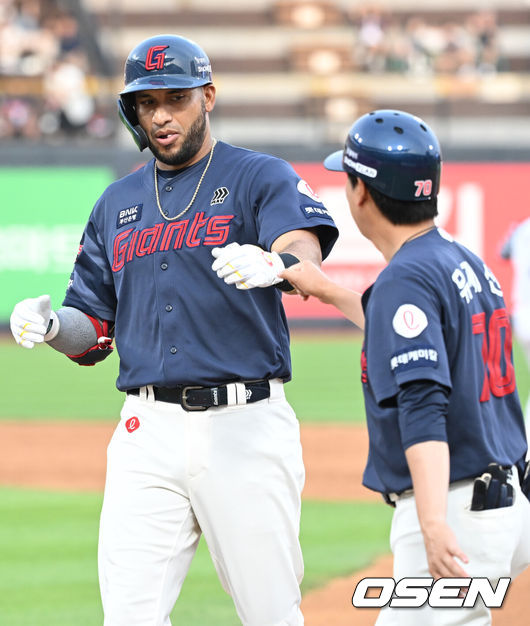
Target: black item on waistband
[(196, 398)]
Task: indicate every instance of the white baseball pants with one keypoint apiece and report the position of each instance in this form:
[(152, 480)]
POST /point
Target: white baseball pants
[(234, 474), (496, 541)]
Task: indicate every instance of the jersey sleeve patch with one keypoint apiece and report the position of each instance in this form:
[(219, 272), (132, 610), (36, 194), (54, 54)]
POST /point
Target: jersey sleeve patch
[(417, 356), (315, 211), (305, 189), (409, 321)]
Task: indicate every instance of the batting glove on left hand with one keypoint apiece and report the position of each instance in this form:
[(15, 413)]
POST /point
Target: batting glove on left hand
[(30, 319), (247, 266)]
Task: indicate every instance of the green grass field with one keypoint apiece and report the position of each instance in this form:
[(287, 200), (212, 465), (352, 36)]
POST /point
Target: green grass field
[(48, 543), (48, 540), (44, 384)]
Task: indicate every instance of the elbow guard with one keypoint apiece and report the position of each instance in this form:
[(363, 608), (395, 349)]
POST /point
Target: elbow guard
[(99, 351)]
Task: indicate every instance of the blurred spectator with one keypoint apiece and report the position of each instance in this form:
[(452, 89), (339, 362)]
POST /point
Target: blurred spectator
[(457, 55), (66, 31), (371, 39), (399, 52), (420, 48), (40, 45), (18, 119), (484, 27), (25, 47), (428, 43), (66, 94)]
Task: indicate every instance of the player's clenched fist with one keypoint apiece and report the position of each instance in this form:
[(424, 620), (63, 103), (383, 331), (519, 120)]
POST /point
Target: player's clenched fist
[(247, 266), (30, 319)]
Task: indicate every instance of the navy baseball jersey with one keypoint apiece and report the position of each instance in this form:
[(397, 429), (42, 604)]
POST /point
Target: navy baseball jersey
[(176, 322), (436, 313)]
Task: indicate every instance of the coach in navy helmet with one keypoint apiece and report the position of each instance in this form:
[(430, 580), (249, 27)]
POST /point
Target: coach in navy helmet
[(447, 442)]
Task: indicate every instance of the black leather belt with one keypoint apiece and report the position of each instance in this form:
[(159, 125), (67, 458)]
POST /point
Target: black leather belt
[(194, 398), (392, 498)]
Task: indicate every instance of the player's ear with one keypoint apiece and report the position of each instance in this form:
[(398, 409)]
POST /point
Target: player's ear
[(209, 97), (361, 192)]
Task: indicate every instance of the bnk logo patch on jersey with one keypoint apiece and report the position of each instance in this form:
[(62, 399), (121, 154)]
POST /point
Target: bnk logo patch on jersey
[(409, 321), (131, 214)]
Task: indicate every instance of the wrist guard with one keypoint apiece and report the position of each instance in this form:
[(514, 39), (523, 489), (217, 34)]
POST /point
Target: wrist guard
[(288, 260), (53, 327)]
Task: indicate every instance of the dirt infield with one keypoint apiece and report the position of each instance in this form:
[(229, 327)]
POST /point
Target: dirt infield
[(71, 456)]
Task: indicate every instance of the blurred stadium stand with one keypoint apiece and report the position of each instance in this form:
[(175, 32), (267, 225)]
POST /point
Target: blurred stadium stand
[(291, 74)]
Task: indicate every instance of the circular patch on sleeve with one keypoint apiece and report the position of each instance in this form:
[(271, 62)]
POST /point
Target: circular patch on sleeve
[(304, 188), (409, 321)]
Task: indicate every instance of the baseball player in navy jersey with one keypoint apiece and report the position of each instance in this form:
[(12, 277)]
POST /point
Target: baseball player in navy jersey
[(517, 249), (447, 441), (179, 263)]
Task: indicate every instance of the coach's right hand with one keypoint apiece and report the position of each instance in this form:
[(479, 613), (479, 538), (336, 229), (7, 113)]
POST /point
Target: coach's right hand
[(310, 280), (30, 319)]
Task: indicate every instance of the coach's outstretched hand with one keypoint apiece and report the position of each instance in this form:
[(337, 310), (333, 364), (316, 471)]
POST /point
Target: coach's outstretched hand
[(310, 280), (247, 266), (30, 319)]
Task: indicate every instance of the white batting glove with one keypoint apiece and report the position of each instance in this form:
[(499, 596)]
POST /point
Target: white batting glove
[(30, 319), (247, 266)]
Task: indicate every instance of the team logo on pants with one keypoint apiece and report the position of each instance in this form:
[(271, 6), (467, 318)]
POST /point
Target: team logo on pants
[(132, 424)]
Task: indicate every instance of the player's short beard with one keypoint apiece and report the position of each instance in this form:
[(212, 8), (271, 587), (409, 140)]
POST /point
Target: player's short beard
[(192, 143)]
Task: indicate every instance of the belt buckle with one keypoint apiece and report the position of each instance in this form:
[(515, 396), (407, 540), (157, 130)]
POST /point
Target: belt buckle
[(184, 403)]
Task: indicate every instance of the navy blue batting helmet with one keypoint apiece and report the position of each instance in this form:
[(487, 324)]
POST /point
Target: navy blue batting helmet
[(394, 152), (161, 62)]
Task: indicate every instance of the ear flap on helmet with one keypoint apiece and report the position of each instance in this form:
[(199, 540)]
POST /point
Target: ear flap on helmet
[(160, 62), (128, 117)]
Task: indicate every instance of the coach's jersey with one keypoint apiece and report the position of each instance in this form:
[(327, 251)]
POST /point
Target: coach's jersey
[(176, 322), (436, 313)]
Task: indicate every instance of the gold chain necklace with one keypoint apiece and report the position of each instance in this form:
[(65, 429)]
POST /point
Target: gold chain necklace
[(170, 219), (420, 232)]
